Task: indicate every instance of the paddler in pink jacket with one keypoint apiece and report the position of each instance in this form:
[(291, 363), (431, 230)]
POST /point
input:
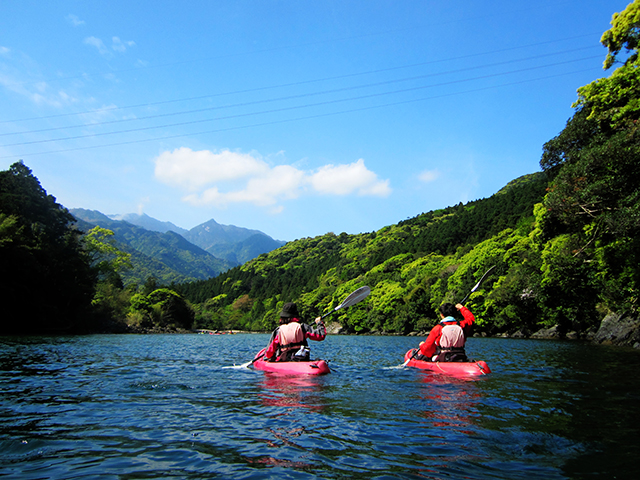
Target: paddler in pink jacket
[(289, 341), (446, 340)]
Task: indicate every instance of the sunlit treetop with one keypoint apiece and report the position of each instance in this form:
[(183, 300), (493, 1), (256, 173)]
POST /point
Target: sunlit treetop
[(625, 33)]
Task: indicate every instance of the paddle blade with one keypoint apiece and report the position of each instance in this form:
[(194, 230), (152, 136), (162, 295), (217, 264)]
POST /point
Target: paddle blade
[(237, 367), (482, 279), (477, 285), (356, 297)]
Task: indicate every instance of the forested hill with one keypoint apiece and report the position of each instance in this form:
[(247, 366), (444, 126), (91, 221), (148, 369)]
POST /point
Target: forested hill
[(563, 246), (318, 272), (166, 256)]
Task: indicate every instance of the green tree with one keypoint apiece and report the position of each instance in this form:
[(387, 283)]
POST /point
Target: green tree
[(176, 312), (47, 282), (108, 260), (593, 203)]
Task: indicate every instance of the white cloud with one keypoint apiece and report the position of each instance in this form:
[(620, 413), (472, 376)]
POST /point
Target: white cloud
[(225, 177), (428, 176), (141, 205), (74, 20), (120, 46), (191, 170), (117, 45), (4, 50), (99, 44), (347, 179)]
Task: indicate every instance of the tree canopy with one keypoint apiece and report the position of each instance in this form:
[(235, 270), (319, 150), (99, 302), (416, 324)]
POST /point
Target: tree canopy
[(46, 277)]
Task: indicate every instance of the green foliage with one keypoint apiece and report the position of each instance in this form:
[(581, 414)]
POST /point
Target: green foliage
[(593, 208), (565, 243), (176, 312), (625, 33), (106, 258), (408, 279), (46, 283)]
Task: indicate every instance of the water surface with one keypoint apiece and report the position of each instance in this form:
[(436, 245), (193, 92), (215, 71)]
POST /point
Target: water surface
[(162, 406)]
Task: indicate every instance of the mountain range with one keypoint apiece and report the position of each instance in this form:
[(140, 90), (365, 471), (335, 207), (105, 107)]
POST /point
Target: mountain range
[(173, 254)]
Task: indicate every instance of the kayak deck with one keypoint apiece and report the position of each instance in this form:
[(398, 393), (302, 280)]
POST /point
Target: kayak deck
[(450, 368), (312, 367)]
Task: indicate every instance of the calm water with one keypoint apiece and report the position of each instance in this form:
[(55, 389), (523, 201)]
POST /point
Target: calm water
[(162, 406)]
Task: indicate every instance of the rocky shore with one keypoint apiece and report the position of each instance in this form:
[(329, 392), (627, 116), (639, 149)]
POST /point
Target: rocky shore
[(615, 329)]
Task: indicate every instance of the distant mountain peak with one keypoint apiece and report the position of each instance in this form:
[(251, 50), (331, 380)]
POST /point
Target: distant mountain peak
[(235, 244), (145, 221)]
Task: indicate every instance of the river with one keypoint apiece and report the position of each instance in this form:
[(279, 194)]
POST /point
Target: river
[(162, 406)]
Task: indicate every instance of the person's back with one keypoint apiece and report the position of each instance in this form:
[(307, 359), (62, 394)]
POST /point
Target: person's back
[(446, 340), (289, 341), (291, 338)]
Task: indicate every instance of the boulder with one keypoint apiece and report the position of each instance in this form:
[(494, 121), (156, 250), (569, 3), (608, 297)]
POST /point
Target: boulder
[(621, 330), (519, 334), (334, 328), (547, 333)]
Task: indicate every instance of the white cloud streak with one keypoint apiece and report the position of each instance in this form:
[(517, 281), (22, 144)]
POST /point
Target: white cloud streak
[(429, 176), (120, 46), (225, 177), (117, 45), (99, 44), (74, 20)]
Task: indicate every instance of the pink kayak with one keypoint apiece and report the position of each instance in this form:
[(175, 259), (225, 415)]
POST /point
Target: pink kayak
[(312, 367), (450, 368)]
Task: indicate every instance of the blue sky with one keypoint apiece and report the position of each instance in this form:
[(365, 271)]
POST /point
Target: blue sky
[(296, 118)]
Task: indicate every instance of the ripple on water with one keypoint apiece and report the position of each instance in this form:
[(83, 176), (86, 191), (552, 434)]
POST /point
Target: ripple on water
[(162, 406)]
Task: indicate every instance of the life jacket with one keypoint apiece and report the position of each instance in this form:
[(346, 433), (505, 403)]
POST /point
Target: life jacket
[(451, 348), (290, 336), (452, 336)]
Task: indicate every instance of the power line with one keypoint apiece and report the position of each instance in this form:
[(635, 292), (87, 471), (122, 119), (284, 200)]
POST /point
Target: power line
[(302, 82), (275, 122), (283, 109), (291, 97)]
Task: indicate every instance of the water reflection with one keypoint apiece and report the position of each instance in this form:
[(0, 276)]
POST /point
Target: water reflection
[(292, 391), (452, 402)]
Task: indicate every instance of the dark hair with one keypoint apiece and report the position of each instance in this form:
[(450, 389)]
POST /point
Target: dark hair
[(448, 309)]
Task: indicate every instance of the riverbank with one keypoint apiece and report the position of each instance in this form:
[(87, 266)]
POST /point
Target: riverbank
[(615, 329)]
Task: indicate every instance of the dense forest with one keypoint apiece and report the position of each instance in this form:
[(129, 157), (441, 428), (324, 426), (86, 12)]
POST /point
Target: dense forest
[(564, 243)]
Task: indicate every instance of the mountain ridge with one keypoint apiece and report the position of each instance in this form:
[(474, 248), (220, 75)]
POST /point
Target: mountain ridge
[(167, 256), (228, 242), (176, 254)]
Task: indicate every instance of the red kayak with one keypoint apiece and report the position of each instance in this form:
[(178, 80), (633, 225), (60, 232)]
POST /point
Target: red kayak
[(312, 367), (449, 368)]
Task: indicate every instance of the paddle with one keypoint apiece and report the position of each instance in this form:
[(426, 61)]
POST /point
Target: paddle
[(461, 302), (355, 297)]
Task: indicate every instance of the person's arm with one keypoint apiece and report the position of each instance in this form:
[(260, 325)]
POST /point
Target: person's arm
[(428, 347), (316, 332), (273, 345), (468, 318)]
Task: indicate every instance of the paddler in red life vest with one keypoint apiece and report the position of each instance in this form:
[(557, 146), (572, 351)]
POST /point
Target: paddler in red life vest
[(289, 341), (446, 340)]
